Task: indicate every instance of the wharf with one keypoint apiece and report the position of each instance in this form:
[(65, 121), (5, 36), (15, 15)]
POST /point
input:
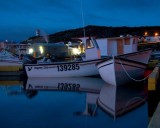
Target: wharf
[(153, 84), (8, 68), (154, 122)]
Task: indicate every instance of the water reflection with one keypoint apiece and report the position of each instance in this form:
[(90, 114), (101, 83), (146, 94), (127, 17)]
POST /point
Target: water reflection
[(119, 100), (11, 85), (83, 84), (90, 85), (71, 102)]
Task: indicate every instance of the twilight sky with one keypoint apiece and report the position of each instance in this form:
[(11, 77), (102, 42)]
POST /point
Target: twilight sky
[(19, 19)]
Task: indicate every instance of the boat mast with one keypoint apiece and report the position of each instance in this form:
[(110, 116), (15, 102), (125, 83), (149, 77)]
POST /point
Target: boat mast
[(84, 33)]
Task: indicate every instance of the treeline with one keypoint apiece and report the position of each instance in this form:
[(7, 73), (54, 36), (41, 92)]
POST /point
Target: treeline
[(99, 32)]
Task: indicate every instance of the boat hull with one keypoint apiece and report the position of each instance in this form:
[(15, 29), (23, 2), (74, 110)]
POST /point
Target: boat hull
[(119, 71), (70, 69), (142, 56)]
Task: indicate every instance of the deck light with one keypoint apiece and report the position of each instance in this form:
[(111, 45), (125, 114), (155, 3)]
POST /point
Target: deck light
[(30, 50), (75, 51), (41, 49)]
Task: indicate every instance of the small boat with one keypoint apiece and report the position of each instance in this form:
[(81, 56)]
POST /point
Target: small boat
[(155, 55), (154, 59), (119, 100), (142, 56), (6, 56), (82, 84), (75, 68), (120, 70)]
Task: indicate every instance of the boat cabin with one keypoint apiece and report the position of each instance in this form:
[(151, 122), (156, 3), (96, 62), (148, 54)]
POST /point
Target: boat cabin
[(44, 49), (117, 45), (91, 48)]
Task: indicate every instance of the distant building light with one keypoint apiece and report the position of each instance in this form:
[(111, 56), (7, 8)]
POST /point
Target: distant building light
[(145, 33), (156, 34)]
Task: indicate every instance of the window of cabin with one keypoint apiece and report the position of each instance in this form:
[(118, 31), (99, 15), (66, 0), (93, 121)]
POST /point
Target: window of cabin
[(127, 41), (89, 43), (134, 41)]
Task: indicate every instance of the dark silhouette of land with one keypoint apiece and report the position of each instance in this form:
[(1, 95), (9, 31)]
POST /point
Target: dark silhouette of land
[(97, 31)]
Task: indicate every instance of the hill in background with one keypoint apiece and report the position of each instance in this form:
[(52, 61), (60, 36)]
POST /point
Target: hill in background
[(97, 31)]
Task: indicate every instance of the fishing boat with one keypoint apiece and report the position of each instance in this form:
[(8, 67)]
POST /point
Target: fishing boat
[(119, 100), (75, 68), (10, 64), (142, 56), (120, 70)]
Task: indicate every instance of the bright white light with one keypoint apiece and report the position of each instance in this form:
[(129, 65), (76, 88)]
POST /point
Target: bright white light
[(41, 49), (30, 50), (75, 51)]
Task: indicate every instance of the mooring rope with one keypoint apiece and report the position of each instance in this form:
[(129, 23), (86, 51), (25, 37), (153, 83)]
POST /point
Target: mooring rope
[(130, 75)]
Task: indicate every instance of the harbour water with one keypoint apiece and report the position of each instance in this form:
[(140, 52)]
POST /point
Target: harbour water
[(74, 103)]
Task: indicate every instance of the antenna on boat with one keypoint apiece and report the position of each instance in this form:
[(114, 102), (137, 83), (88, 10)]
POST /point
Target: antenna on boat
[(83, 18)]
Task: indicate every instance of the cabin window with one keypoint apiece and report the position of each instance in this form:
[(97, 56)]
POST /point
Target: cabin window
[(89, 43), (134, 41), (127, 41)]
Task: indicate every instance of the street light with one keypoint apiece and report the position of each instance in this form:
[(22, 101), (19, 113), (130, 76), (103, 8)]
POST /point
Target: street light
[(145, 33), (156, 34)]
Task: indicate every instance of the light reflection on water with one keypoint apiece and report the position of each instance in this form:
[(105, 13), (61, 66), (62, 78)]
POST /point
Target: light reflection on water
[(71, 103)]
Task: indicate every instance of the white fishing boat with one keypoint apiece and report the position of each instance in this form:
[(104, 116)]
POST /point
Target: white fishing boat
[(142, 56), (82, 84), (120, 70), (75, 68), (119, 100)]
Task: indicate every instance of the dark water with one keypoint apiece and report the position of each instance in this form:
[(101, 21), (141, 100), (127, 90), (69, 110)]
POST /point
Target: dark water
[(73, 103)]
